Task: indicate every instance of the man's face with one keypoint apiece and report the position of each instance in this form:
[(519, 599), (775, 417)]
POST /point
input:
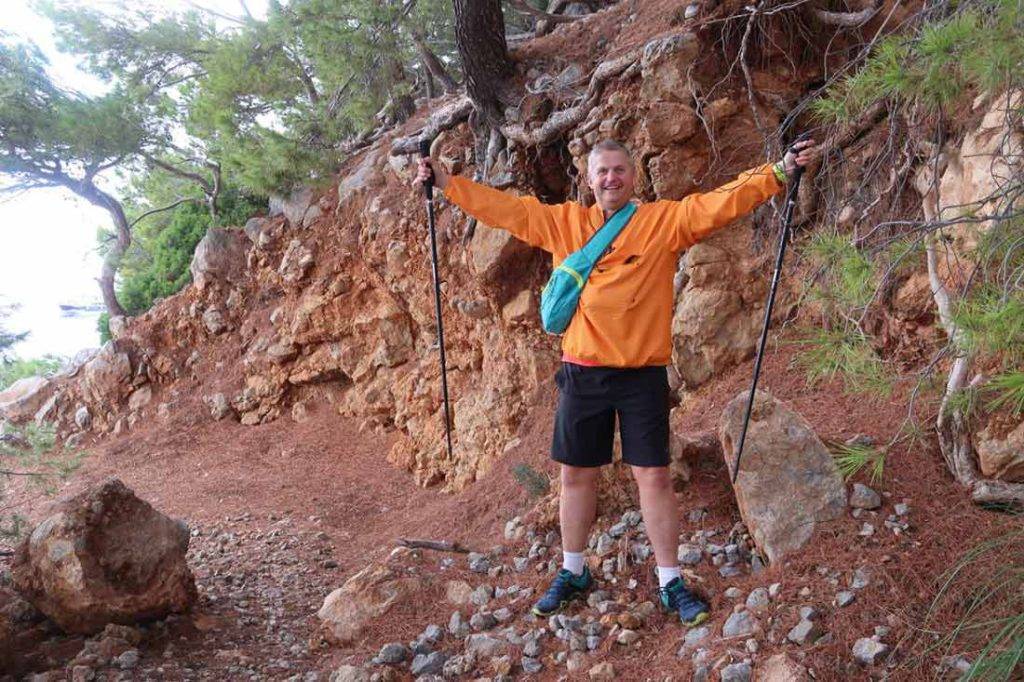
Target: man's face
[(611, 177)]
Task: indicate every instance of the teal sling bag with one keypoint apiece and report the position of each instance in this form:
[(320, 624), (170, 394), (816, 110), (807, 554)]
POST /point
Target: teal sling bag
[(561, 295)]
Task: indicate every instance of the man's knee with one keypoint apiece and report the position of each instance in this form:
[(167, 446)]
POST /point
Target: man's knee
[(653, 478), (579, 477)]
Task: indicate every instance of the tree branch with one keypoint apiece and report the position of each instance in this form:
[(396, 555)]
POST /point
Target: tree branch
[(168, 207), (523, 7), (846, 19)]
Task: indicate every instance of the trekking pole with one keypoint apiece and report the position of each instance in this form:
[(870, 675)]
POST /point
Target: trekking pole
[(787, 218), (428, 188)]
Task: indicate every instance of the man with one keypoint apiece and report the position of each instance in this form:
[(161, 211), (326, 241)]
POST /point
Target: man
[(616, 348)]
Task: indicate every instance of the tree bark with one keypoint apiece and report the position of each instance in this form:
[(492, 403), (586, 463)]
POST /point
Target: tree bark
[(123, 239), (480, 36)]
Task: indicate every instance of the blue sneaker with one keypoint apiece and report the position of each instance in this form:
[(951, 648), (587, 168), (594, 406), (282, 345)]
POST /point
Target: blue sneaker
[(564, 588), (675, 597)]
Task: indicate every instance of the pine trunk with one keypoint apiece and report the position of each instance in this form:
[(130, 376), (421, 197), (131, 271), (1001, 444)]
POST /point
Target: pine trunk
[(480, 35)]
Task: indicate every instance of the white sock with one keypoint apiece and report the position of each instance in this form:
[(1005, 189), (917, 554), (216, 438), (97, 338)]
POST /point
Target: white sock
[(573, 562), (667, 574)]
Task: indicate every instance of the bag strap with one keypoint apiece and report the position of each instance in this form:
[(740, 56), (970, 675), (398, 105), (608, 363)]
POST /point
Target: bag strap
[(603, 238)]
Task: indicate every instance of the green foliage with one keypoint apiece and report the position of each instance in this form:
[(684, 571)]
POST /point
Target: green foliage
[(1007, 391), (29, 452), (13, 370), (980, 46), (827, 354), (7, 339), (848, 274), (984, 593), (535, 482), (103, 327), (993, 322), (852, 458)]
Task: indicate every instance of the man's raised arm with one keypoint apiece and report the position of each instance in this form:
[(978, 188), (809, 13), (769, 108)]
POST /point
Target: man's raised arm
[(525, 217)]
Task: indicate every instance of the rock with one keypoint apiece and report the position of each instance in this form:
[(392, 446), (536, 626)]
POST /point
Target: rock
[(740, 624), (458, 592), (106, 379), (395, 652), (83, 419), (788, 482), (663, 67), (805, 632), (483, 646), (693, 637), (482, 621), (674, 172), (736, 672), (24, 398), (294, 206), (214, 321), (218, 405), (219, 257), (128, 660), (428, 664), (530, 666), (493, 252), (357, 180), (901, 509), (758, 598), (105, 556), (733, 593), (521, 309), (282, 352), (861, 578), (478, 563), (867, 651), (627, 637), (602, 672), (1001, 458), (690, 555), (296, 262), (368, 594), (140, 397), (669, 122), (781, 668), (350, 673), (457, 626), (482, 595), (845, 598), (863, 497)]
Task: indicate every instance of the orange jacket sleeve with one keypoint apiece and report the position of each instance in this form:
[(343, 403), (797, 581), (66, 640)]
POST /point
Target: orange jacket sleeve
[(525, 217), (697, 215)]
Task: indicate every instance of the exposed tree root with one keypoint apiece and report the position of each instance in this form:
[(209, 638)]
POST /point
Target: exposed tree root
[(446, 118)]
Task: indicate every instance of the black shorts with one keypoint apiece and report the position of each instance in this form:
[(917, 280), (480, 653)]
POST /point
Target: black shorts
[(589, 400)]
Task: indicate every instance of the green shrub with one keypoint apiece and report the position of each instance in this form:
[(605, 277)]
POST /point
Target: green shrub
[(13, 370)]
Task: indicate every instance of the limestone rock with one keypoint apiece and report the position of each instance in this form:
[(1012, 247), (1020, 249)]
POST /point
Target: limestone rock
[(140, 397), (368, 594), (1001, 458), (788, 482), (867, 651), (106, 379), (219, 257), (669, 122), (214, 321), (24, 398), (296, 262), (105, 556), (294, 206), (492, 251), (863, 497), (663, 67), (522, 308)]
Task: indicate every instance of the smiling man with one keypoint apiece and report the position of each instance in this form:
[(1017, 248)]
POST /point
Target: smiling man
[(616, 349)]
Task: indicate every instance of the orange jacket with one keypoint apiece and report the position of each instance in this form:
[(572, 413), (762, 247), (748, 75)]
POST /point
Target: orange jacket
[(625, 313)]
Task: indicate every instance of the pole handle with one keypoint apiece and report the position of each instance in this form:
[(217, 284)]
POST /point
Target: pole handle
[(428, 186)]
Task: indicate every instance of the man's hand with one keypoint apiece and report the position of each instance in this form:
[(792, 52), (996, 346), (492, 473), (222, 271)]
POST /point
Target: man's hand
[(806, 153), (426, 169)]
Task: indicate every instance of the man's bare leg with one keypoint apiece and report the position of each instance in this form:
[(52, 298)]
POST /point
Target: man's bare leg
[(661, 512), (577, 505)]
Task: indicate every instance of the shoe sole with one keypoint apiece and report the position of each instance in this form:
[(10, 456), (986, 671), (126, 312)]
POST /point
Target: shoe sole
[(700, 618), (561, 606)]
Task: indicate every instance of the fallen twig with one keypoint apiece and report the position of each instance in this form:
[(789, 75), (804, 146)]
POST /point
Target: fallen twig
[(439, 545)]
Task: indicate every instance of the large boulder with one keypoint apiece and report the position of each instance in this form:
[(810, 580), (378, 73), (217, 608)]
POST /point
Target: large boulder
[(294, 206), (219, 256), (24, 398), (367, 595), (105, 556), (493, 252), (664, 65), (107, 377), (788, 482)]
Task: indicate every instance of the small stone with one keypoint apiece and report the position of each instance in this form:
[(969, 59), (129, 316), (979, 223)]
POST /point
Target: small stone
[(774, 590), (503, 614), (861, 578), (627, 637), (395, 652), (482, 595), (532, 649), (737, 672), (520, 564), (758, 598), (805, 592), (733, 593), (751, 646), (605, 543), (690, 555), (574, 661), (867, 530), (845, 598), (881, 631), (457, 626), (629, 621), (691, 11), (128, 660), (618, 530), (805, 632), (863, 497), (513, 527), (739, 624), (730, 571), (478, 563), (428, 664), (693, 637), (602, 672), (901, 509), (482, 621), (530, 666), (808, 613), (867, 651)]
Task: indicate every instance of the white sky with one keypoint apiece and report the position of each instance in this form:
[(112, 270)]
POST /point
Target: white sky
[(48, 236)]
